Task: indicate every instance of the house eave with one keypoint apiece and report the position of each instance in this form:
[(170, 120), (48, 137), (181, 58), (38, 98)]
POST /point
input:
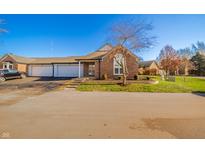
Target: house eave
[(52, 63)]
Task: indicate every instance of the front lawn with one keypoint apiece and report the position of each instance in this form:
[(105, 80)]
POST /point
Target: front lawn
[(190, 85)]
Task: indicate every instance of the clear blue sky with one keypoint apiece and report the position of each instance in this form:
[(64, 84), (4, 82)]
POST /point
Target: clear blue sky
[(66, 35)]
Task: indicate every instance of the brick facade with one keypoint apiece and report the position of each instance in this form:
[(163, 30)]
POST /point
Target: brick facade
[(103, 61), (22, 68), (106, 65)]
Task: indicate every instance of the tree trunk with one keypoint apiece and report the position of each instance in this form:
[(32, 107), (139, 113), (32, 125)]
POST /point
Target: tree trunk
[(167, 72), (177, 72), (186, 72), (125, 69), (124, 83)]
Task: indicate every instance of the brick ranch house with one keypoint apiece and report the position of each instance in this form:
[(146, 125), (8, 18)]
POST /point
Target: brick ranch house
[(96, 64)]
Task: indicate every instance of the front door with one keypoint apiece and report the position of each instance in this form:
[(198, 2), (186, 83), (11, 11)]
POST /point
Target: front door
[(91, 69)]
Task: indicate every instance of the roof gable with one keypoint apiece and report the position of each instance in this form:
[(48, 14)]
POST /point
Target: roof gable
[(6, 56), (106, 47), (98, 54), (118, 47), (21, 59)]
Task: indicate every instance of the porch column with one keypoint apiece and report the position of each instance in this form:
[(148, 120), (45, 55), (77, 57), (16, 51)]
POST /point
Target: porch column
[(79, 69), (99, 69)]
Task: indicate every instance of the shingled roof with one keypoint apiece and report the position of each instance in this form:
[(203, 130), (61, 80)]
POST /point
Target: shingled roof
[(51, 60), (146, 63), (106, 47), (101, 52), (18, 59), (47, 60)]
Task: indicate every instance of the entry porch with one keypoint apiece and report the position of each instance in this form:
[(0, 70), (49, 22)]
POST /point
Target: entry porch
[(91, 68)]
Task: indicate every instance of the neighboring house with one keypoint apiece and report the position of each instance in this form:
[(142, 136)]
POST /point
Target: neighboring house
[(148, 67), (10, 61), (96, 64)]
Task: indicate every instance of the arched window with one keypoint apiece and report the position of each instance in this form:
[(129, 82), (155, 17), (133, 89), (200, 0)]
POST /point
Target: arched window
[(118, 63)]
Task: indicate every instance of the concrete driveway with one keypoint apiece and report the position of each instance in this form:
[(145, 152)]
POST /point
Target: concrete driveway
[(72, 114), (15, 90)]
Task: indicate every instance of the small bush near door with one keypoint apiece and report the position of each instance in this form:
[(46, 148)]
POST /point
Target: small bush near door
[(104, 77), (135, 77)]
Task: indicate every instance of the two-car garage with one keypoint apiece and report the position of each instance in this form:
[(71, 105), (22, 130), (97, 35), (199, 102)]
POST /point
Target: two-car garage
[(55, 70)]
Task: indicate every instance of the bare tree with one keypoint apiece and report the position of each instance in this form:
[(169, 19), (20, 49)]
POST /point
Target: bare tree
[(134, 35)]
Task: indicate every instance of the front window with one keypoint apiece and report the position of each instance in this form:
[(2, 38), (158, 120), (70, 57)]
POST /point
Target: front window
[(7, 65), (118, 63)]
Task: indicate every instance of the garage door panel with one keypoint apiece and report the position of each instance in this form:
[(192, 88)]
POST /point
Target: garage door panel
[(67, 70), (41, 70)]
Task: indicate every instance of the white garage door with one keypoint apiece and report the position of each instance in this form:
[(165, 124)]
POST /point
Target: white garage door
[(40, 70), (67, 70)]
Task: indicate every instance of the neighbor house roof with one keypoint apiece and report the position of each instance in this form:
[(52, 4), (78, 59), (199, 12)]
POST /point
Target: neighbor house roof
[(147, 63), (18, 59)]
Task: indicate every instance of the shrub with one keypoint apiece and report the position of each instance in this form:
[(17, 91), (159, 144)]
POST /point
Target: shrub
[(146, 72), (143, 77), (135, 77), (104, 77), (119, 77)]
